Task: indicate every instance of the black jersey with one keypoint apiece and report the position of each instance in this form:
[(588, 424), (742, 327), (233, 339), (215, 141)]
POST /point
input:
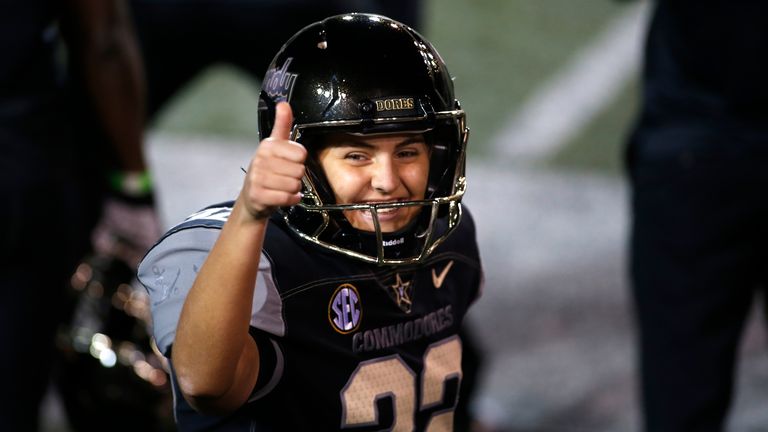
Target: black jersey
[(344, 344)]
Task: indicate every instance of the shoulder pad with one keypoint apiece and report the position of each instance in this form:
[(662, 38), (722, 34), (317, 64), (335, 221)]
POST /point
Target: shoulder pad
[(210, 217)]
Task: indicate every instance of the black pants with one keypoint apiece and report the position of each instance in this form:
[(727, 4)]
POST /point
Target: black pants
[(698, 258), (46, 212)]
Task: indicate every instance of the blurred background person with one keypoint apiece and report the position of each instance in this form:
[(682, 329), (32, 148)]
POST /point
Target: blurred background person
[(697, 163), (54, 179)]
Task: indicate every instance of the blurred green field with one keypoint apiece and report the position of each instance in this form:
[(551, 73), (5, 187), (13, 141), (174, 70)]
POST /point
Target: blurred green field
[(499, 52), (600, 144)]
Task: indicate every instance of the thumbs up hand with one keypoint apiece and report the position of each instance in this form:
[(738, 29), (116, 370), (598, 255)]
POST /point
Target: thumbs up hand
[(274, 175)]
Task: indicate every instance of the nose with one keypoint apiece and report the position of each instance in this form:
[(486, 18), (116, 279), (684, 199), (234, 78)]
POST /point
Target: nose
[(385, 178)]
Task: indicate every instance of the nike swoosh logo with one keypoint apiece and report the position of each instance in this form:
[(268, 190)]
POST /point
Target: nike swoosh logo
[(438, 280)]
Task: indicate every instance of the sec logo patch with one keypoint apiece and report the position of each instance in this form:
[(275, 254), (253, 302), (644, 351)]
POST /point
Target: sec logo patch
[(345, 312)]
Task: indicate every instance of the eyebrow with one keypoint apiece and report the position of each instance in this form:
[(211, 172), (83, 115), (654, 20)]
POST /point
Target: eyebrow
[(353, 141)]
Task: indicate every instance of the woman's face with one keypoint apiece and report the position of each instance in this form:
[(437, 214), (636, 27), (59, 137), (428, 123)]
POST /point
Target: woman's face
[(376, 169)]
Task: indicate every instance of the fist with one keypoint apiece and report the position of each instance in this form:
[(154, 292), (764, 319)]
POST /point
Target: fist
[(274, 174), (126, 231)]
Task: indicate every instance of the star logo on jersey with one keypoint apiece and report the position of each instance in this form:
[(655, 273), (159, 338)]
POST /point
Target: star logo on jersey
[(345, 312), (401, 293)]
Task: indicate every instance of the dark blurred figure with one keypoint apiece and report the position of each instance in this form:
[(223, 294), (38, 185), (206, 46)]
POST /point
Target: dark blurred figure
[(180, 38), (697, 163), (53, 181)]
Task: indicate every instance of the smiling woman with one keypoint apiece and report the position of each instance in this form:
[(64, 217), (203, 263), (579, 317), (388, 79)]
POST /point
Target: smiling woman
[(313, 301)]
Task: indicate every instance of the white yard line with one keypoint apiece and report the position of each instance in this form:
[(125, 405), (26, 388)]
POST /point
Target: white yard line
[(564, 104)]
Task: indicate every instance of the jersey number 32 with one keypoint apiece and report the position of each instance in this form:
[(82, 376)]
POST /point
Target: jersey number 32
[(391, 377)]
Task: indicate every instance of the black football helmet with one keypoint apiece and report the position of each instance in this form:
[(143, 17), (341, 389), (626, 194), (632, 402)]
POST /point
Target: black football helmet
[(368, 74), (109, 372)]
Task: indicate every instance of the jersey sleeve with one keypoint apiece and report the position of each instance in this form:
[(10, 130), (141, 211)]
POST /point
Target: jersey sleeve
[(169, 269), (168, 272)]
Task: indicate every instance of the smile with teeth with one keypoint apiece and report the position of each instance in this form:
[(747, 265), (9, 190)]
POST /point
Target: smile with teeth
[(383, 213), (389, 218), (382, 210)]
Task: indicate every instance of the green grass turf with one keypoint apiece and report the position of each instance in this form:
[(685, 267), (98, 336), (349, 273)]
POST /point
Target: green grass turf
[(500, 51), (600, 145), (220, 101)]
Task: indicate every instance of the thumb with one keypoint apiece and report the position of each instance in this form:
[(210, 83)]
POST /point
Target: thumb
[(283, 121)]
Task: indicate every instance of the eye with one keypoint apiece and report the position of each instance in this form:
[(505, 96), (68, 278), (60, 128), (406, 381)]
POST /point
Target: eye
[(408, 153), (356, 157)]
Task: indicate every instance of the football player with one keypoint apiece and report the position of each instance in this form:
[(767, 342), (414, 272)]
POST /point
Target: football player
[(329, 295)]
